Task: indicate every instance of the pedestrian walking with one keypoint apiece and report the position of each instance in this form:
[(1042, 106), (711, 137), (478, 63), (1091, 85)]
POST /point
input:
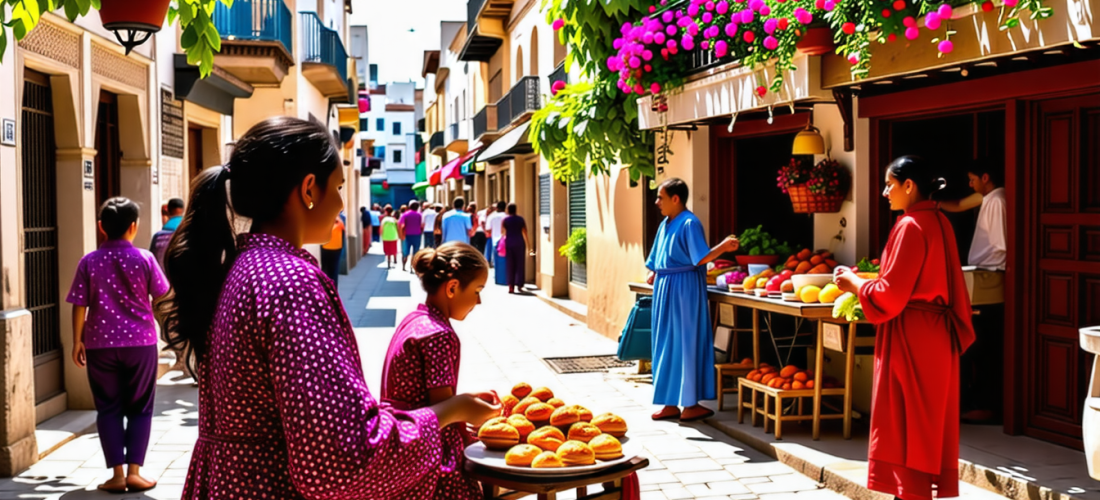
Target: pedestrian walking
[(516, 246), (683, 352), (390, 237), (115, 337), (422, 362), (411, 225), (284, 408), (921, 311), (158, 244), (495, 226), (457, 224), (438, 230), (368, 229), (428, 225), (376, 222), (477, 238), (332, 250)]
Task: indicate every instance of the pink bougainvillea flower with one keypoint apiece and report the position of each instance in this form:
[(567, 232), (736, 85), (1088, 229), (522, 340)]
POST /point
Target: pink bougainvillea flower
[(617, 44), (693, 10), (655, 88), (647, 68), (830, 5), (652, 9), (848, 28), (945, 11), (946, 46), (710, 6), (932, 21), (1010, 3), (659, 38), (803, 16), (671, 44), (761, 90), (687, 42), (749, 36), (721, 48), (671, 30), (635, 62), (667, 16), (708, 17), (853, 58), (731, 30), (705, 45), (765, 11), (557, 87), (747, 16), (664, 2), (647, 55), (771, 43), (770, 25), (912, 33), (783, 23), (693, 29), (647, 38), (756, 5), (909, 21), (558, 24), (722, 7)]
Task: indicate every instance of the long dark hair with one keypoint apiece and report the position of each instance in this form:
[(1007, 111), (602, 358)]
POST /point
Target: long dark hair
[(267, 164), (916, 169)]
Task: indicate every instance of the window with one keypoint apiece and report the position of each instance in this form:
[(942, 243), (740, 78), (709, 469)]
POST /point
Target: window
[(364, 124), (397, 156), (380, 124), (396, 128)]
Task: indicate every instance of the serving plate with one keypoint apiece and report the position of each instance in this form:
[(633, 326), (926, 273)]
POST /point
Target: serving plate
[(493, 459)]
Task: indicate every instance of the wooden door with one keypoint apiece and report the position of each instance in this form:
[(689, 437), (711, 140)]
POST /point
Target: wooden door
[(1063, 262), (41, 279), (194, 152), (108, 153)]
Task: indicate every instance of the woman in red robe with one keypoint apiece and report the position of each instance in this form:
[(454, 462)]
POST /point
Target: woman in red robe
[(922, 311)]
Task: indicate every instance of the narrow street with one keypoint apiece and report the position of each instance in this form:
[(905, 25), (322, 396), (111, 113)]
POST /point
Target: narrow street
[(504, 341)]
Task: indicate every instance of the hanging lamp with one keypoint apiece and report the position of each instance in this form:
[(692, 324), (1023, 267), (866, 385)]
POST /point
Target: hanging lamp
[(133, 23), (808, 142)]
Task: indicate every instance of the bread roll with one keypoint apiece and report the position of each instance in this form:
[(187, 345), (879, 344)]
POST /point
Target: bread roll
[(610, 423), (564, 417), (521, 408), (507, 403), (524, 426), (556, 403), (521, 390), (583, 431), (606, 447), (498, 436), (584, 413), (547, 438), (576, 453), (547, 460), (521, 455), (542, 393), (539, 412)]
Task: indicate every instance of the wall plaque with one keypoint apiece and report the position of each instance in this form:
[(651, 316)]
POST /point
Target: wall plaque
[(171, 125)]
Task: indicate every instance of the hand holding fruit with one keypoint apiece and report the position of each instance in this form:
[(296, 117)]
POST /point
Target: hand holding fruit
[(848, 281), (731, 244)]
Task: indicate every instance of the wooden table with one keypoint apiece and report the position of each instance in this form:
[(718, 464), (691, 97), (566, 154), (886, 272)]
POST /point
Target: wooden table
[(499, 485), (821, 313)]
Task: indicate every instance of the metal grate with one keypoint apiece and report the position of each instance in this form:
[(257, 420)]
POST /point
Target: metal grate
[(586, 364), (544, 194), (578, 273)]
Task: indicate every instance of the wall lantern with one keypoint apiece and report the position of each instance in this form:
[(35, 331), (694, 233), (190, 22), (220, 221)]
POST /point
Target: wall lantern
[(808, 142), (133, 22)]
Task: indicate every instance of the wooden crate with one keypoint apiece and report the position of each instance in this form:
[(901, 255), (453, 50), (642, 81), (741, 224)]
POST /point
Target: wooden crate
[(768, 402)]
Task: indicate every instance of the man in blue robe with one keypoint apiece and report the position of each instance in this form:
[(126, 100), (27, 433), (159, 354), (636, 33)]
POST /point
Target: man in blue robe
[(683, 349)]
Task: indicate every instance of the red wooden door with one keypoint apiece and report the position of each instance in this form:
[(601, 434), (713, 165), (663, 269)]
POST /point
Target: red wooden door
[(1063, 274)]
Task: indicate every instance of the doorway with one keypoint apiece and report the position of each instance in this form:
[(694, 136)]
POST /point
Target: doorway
[(194, 152), (40, 248), (1062, 260)]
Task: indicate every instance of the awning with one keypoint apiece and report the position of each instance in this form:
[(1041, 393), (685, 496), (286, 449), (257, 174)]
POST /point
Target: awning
[(421, 185), (216, 92), (453, 170), (472, 167), (513, 143), (434, 178)]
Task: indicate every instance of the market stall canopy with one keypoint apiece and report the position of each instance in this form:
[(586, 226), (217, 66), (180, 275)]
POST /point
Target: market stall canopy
[(730, 89), (472, 167), (434, 178), (453, 170), (513, 143)]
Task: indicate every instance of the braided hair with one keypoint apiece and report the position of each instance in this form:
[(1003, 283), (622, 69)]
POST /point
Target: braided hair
[(437, 266)]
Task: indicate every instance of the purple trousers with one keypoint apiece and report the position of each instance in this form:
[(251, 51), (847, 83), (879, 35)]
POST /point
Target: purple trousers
[(124, 381), (515, 262)]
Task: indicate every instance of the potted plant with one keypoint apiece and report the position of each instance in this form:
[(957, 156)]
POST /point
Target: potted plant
[(817, 40), (759, 247), (818, 189), (576, 247)]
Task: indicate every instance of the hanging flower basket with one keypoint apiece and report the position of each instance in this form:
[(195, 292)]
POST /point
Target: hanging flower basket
[(806, 202)]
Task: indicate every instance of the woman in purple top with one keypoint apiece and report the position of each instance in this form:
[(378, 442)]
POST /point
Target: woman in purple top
[(284, 409), (115, 336), (411, 225), (515, 249), (422, 362)]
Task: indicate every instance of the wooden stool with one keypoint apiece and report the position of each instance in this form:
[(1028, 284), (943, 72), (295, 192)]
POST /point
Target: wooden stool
[(736, 370), (499, 485), (768, 402)]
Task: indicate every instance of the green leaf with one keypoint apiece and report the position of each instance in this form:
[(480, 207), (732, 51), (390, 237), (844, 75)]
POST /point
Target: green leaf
[(72, 10), (188, 40), (213, 39)]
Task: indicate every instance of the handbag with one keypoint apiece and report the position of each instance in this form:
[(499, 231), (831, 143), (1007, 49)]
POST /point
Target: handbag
[(636, 342), (501, 249)]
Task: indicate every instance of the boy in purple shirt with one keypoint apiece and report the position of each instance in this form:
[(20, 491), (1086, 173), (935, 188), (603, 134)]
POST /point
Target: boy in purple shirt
[(411, 225), (115, 336)]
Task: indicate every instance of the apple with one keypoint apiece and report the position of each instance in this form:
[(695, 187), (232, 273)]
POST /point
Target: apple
[(774, 284), (786, 274)]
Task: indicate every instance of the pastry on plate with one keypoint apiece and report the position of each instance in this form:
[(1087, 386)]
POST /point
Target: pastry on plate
[(547, 460), (521, 407), (521, 455), (584, 413), (583, 431), (496, 420), (576, 453), (498, 436), (524, 426), (606, 447), (555, 402), (542, 393), (564, 417), (521, 390), (539, 412), (507, 403), (611, 423), (547, 438)]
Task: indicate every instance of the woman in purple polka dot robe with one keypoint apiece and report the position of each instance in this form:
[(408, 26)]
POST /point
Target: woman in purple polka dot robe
[(422, 362), (284, 410)]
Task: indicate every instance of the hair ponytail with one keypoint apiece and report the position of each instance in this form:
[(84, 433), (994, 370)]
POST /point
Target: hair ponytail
[(916, 169), (436, 266), (198, 258)]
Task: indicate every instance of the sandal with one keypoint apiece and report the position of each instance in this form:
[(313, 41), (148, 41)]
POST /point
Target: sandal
[(667, 414), (693, 414)]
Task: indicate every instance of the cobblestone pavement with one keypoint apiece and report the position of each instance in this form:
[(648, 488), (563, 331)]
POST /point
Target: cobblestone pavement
[(504, 341)]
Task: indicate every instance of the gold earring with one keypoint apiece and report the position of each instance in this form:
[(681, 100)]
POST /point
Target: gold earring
[(310, 207)]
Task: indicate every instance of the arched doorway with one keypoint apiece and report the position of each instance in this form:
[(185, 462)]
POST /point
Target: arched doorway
[(519, 64), (534, 51)]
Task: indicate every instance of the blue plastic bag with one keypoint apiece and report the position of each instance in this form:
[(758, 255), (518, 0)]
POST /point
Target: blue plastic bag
[(636, 342)]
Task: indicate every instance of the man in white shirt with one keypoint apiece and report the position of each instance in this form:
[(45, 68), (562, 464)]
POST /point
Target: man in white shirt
[(495, 226), (429, 225), (982, 364)]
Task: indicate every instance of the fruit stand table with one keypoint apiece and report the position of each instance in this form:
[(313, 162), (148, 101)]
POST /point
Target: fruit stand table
[(499, 485), (822, 314)]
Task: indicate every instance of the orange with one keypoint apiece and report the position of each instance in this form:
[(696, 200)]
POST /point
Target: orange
[(803, 267), (796, 385), (809, 294), (801, 377), (788, 371)]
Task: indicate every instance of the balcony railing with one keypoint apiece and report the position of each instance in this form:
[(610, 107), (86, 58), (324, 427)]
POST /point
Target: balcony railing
[(485, 121), (436, 141), (559, 75), (523, 98), (255, 20), (323, 45)]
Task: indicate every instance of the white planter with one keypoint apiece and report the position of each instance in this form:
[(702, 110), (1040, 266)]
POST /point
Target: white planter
[(1090, 341)]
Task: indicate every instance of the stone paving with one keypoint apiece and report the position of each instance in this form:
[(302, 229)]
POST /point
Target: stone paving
[(504, 342)]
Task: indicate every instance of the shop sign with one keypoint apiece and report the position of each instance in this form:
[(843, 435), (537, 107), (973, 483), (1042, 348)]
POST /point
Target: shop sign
[(171, 125), (7, 134)]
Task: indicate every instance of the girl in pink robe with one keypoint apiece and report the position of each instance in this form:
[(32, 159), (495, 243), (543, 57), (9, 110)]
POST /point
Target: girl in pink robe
[(424, 356), (922, 311), (284, 410)]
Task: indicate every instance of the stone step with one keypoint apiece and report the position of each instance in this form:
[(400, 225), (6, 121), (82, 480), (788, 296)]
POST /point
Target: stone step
[(55, 432)]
